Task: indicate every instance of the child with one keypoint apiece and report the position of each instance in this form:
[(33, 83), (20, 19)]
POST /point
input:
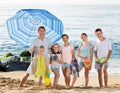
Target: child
[(40, 64), (55, 60), (67, 55)]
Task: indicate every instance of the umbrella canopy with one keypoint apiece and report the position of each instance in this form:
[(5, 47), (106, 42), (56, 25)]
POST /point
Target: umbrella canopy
[(23, 26)]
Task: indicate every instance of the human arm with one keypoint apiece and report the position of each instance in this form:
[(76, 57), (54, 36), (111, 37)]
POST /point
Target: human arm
[(91, 54), (47, 65), (34, 68), (31, 50), (50, 59), (95, 52), (110, 50), (59, 60), (79, 52), (73, 53)]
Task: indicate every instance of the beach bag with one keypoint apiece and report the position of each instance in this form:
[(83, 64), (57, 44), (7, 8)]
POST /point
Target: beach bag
[(47, 79)]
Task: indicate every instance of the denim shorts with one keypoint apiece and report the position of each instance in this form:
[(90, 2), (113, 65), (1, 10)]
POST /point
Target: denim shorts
[(82, 64), (65, 65), (100, 66), (55, 68)]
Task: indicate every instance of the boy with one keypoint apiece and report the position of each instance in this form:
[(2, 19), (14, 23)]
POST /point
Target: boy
[(102, 49)]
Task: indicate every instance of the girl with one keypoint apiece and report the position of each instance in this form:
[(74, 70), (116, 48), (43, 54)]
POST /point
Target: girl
[(40, 65), (67, 56), (55, 60), (85, 50)]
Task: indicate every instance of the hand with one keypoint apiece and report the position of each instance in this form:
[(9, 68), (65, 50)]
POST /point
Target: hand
[(85, 57), (97, 60), (90, 67), (31, 51)]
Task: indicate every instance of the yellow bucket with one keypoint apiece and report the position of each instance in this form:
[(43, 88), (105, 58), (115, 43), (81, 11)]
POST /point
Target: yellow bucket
[(47, 81)]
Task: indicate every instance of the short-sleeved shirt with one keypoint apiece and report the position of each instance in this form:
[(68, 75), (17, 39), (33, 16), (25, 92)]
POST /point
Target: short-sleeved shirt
[(38, 42), (67, 54), (102, 48)]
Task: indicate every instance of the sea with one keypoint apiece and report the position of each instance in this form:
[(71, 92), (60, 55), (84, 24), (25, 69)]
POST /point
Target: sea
[(76, 19)]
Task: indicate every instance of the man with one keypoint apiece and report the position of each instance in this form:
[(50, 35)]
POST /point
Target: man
[(40, 40), (102, 49)]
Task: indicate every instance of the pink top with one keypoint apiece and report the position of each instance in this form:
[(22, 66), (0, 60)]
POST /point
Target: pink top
[(67, 54)]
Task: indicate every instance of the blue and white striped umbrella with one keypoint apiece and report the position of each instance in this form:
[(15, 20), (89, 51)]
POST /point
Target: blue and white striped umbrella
[(22, 27)]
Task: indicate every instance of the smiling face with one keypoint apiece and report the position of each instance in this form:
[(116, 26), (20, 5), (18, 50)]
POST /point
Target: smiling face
[(55, 48), (41, 50), (41, 32), (65, 39), (84, 37), (99, 34)]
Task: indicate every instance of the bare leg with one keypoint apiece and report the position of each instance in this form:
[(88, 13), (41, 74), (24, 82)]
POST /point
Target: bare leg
[(56, 78), (40, 80), (74, 80), (86, 77), (100, 78), (80, 68), (64, 70), (67, 74), (24, 79), (105, 76)]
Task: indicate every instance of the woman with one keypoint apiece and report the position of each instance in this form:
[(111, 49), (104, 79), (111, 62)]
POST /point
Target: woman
[(85, 51), (67, 55)]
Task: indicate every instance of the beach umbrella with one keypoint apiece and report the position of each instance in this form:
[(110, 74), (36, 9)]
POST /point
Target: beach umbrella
[(23, 26)]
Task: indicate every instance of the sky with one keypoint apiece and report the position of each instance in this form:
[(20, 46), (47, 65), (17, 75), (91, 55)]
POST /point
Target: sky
[(59, 2)]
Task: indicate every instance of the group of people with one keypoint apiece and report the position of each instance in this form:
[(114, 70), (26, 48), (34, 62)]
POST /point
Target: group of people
[(64, 57)]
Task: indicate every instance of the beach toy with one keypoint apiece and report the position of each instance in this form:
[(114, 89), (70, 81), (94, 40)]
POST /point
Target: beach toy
[(87, 62), (102, 60), (23, 26), (47, 79)]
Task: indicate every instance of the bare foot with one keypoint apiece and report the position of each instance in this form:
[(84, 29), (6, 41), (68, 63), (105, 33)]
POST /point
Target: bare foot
[(20, 86), (41, 84), (68, 87)]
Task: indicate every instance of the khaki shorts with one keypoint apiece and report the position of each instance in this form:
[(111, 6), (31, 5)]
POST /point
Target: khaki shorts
[(100, 66)]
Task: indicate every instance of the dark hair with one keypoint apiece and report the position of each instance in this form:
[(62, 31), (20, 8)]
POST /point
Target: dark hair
[(53, 46), (98, 29), (56, 44), (84, 34), (41, 27), (41, 46), (65, 35)]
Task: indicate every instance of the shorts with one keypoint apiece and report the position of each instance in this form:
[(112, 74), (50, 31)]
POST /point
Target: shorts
[(74, 68), (65, 65), (82, 64), (100, 66), (55, 68)]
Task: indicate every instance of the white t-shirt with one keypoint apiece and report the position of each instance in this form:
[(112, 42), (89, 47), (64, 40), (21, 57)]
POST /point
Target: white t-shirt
[(38, 42), (102, 48), (66, 53)]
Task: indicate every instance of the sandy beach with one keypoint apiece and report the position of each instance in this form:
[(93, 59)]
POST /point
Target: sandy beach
[(9, 84)]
